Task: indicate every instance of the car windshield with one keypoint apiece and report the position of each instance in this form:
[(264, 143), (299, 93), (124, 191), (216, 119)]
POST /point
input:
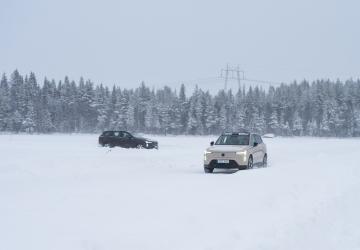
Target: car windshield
[(136, 135), (233, 140)]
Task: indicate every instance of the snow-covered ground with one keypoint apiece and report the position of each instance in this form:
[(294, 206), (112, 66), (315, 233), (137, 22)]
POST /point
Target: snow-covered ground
[(64, 192)]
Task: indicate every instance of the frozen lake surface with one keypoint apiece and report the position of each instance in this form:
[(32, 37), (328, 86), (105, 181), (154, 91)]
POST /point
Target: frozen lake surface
[(63, 192)]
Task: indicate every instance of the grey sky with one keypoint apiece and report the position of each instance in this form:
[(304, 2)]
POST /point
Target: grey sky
[(125, 42)]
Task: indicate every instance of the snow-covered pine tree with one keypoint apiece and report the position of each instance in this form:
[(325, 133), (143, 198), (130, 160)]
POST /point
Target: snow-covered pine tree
[(324, 126), (335, 122), (199, 111), (286, 129), (183, 107), (17, 93), (231, 111), (191, 126), (274, 125), (259, 122), (143, 100), (90, 115), (100, 105), (111, 108), (297, 124), (239, 120), (209, 113), (5, 107), (223, 119), (29, 123), (16, 122), (357, 120), (130, 117), (47, 124), (123, 112), (176, 121)]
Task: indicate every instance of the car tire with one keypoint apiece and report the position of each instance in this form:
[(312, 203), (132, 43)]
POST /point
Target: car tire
[(111, 145), (106, 145), (139, 146), (250, 164), (208, 170), (264, 164)]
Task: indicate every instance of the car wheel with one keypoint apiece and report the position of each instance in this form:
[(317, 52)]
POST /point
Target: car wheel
[(264, 164), (139, 146), (250, 163), (111, 145), (208, 170), (106, 145)]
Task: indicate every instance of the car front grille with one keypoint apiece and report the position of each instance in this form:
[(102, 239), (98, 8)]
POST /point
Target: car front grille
[(231, 164)]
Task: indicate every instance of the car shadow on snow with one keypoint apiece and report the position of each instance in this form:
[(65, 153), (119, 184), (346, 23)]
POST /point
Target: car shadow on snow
[(232, 171), (225, 171)]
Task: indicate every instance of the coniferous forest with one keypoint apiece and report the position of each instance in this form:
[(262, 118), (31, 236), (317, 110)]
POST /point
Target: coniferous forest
[(319, 108)]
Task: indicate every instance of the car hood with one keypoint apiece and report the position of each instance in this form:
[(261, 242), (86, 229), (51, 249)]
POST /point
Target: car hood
[(227, 148)]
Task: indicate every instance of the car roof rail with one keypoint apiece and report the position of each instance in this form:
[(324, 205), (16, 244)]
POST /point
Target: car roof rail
[(236, 133)]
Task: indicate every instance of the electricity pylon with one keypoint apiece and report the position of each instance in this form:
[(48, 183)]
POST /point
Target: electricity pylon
[(236, 70)]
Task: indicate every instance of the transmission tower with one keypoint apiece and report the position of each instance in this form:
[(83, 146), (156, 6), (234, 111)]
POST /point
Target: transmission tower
[(235, 70)]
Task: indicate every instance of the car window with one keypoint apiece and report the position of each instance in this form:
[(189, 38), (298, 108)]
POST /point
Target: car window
[(258, 139), (109, 133), (136, 135), (252, 140), (233, 140), (117, 134), (126, 135)]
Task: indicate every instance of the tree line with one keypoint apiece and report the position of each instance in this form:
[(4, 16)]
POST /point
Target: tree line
[(322, 108)]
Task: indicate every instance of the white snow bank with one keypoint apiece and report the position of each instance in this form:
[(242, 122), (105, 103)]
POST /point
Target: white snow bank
[(63, 192), (268, 136)]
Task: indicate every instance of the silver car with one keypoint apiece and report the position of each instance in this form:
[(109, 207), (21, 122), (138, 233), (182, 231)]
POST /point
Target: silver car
[(240, 150)]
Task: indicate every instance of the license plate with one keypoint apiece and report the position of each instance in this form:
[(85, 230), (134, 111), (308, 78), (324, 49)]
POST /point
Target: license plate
[(222, 161)]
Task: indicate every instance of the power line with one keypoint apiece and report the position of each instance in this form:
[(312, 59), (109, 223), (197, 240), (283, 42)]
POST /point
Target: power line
[(300, 70), (212, 80), (167, 72), (196, 81), (216, 80), (251, 80)]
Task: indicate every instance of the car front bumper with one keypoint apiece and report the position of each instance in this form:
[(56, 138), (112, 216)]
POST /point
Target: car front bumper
[(152, 145), (231, 165)]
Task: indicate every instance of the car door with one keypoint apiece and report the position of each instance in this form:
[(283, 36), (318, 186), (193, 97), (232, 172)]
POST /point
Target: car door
[(121, 140), (255, 150), (117, 138), (261, 146), (108, 138), (127, 140)]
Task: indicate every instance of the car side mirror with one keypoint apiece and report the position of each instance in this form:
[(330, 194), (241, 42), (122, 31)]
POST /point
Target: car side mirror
[(211, 143), (255, 144)]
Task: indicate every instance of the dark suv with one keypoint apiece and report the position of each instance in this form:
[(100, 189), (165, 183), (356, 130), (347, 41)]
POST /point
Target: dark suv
[(126, 140)]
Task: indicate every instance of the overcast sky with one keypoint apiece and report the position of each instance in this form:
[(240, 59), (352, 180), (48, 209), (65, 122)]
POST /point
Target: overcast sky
[(126, 42)]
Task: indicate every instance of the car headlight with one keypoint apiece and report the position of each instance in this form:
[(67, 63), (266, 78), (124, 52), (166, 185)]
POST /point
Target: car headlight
[(241, 153), (207, 152), (148, 141)]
